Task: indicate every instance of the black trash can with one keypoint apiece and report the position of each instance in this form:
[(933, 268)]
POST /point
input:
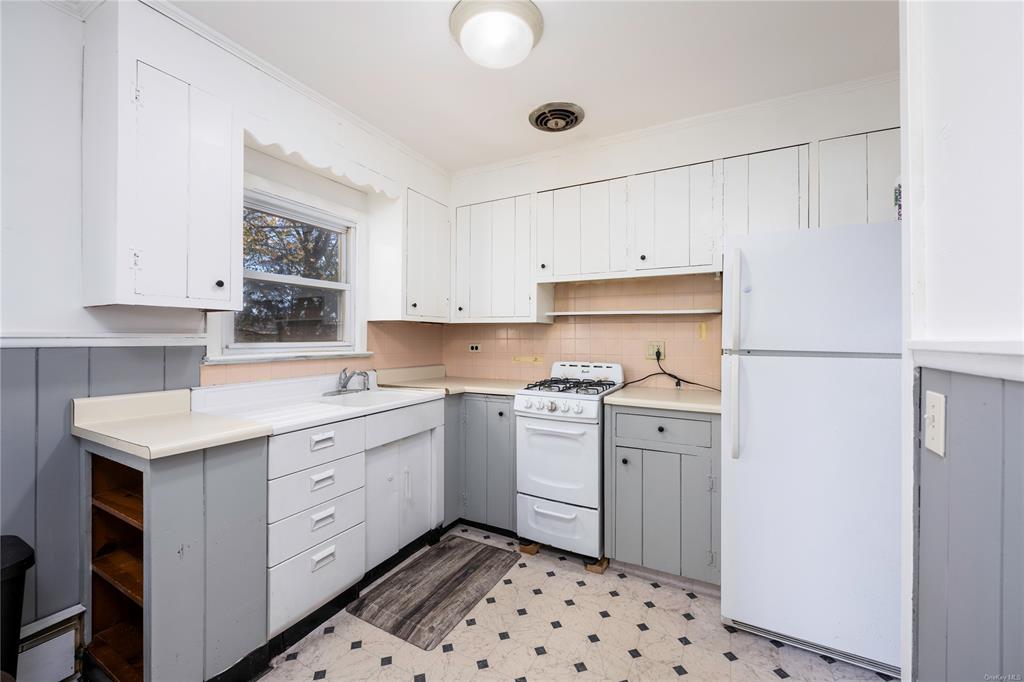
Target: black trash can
[(17, 557)]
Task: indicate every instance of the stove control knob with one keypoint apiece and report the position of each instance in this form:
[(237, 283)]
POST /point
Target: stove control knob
[(527, 403), (565, 406), (552, 406), (577, 408)]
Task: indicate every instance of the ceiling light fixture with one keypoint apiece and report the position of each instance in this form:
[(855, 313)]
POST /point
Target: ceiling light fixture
[(496, 33)]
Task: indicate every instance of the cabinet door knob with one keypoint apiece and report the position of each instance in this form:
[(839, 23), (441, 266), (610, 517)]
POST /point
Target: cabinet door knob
[(661, 429), (542, 266), (501, 414), (643, 257), (460, 308), (625, 460), (220, 283), (413, 305)]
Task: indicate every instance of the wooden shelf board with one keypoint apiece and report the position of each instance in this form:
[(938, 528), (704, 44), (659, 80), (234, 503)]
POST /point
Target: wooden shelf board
[(581, 313), (121, 503), (118, 651), (123, 571)]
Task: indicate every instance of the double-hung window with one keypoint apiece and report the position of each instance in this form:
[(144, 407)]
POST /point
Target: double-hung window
[(297, 290)]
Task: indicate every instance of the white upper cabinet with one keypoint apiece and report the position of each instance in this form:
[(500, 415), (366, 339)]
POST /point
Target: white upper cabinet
[(662, 219), (567, 231), (857, 175), (428, 252), (494, 276), (545, 255), (766, 192), (162, 191), (705, 224), (595, 228)]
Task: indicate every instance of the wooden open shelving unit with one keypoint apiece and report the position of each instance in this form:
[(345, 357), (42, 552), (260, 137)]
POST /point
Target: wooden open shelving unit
[(118, 598)]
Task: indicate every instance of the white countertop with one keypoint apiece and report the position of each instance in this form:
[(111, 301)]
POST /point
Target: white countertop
[(680, 399), (159, 424)]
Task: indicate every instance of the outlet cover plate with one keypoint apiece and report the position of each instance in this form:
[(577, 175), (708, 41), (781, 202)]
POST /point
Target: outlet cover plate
[(935, 422), (474, 348), (653, 347)]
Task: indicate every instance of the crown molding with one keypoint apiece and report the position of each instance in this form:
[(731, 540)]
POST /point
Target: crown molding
[(679, 124), (186, 20), (79, 9)]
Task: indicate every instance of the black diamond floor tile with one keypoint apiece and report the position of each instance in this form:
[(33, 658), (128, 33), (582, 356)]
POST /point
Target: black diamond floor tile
[(685, 641), (471, 621), (385, 661), (688, 616), (604, 614), (503, 635), (593, 638), (490, 600), (581, 583), (730, 655), (649, 604), (358, 644), (781, 673), (507, 581), (329, 629), (539, 650), (551, 574), (776, 643), (537, 590), (730, 629), (521, 612), (447, 648), (581, 667), (481, 664), (634, 653), (291, 657), (570, 602), (419, 677), (319, 674), (556, 624), (642, 627), (680, 670)]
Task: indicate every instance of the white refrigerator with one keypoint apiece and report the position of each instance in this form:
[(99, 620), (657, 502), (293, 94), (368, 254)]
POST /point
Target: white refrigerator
[(810, 440)]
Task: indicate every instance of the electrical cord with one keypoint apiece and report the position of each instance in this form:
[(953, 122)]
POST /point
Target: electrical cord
[(678, 379)]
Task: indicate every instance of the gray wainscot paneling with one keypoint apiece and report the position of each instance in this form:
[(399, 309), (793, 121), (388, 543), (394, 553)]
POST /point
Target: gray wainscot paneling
[(970, 584), (39, 468)]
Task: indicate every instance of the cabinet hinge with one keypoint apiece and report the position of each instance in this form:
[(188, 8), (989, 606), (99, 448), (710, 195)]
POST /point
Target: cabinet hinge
[(711, 483), (137, 95), (712, 557)]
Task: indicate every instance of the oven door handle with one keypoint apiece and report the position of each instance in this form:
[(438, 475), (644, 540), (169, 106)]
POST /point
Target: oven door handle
[(545, 512), (556, 432)]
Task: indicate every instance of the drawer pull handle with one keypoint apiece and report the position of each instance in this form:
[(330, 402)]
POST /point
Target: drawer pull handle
[(321, 519), (545, 512), (319, 441), (321, 559), (321, 480), (555, 432), (661, 429)]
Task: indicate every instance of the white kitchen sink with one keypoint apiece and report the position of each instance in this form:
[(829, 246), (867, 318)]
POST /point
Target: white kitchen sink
[(374, 398)]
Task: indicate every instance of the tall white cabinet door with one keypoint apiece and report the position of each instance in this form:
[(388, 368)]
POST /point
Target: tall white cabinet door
[(545, 235), (842, 181), (382, 502), (414, 491), (416, 241), (595, 226), (480, 260), (641, 208), (213, 198), (438, 266), (883, 174), (777, 190), (671, 219), (463, 242), (618, 225), (567, 231), (735, 188), (523, 269), (160, 234), (703, 225), (503, 247)]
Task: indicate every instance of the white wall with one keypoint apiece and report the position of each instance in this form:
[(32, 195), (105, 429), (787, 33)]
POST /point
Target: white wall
[(807, 117), (40, 241), (962, 118)]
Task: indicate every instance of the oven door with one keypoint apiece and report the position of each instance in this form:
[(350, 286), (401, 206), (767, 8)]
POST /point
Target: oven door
[(559, 460)]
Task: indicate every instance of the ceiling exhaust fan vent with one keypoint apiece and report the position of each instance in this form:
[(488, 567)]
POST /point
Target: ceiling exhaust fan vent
[(556, 117)]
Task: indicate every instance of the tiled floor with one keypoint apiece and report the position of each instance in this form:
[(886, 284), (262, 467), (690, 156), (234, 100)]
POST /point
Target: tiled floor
[(549, 619)]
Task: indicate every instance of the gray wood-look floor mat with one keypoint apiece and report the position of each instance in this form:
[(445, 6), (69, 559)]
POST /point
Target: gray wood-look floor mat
[(425, 600)]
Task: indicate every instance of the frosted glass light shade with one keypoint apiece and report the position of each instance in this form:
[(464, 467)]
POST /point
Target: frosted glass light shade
[(496, 34)]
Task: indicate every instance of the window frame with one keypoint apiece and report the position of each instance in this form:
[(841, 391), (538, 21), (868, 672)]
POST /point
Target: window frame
[(271, 197)]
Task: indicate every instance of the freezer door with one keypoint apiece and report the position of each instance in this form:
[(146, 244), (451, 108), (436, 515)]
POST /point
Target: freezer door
[(810, 502), (834, 289)]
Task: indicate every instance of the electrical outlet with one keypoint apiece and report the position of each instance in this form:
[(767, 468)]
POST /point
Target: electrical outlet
[(474, 348), (935, 422), (652, 349)]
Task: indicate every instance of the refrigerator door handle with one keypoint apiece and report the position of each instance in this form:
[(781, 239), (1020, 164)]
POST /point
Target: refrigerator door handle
[(734, 404), (737, 275)]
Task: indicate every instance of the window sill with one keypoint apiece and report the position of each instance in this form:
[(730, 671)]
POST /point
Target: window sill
[(277, 356)]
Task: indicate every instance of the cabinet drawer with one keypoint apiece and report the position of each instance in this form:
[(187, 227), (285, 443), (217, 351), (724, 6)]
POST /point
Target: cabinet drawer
[(299, 532), (304, 489), (305, 582), (664, 429), (576, 529), (387, 427), (291, 452)]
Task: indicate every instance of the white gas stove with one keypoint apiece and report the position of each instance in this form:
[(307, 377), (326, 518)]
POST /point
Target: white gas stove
[(558, 456)]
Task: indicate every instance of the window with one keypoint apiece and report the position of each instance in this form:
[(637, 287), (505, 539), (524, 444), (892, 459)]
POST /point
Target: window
[(297, 290)]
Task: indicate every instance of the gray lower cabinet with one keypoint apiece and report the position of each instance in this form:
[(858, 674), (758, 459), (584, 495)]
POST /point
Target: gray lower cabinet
[(661, 489), (176, 549), (488, 487)]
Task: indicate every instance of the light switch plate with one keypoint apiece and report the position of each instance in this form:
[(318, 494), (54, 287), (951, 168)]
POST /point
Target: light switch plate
[(935, 422)]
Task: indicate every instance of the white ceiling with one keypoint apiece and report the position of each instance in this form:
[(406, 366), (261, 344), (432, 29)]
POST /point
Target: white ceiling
[(629, 64)]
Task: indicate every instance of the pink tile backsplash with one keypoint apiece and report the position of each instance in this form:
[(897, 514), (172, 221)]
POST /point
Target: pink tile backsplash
[(526, 351)]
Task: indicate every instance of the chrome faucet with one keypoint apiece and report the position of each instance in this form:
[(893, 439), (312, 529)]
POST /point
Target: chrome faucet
[(344, 377)]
